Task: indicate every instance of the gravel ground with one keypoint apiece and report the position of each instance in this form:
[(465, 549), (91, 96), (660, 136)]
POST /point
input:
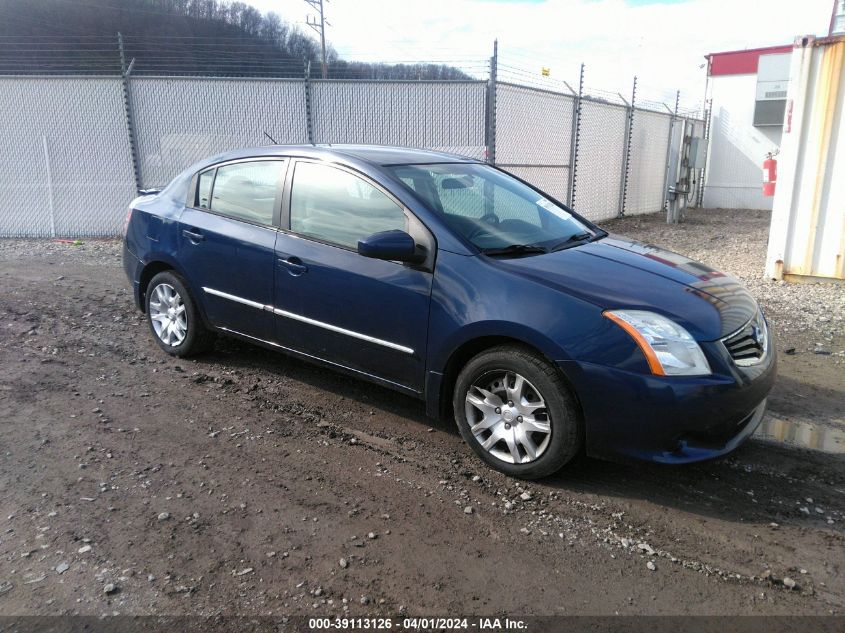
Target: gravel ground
[(244, 482)]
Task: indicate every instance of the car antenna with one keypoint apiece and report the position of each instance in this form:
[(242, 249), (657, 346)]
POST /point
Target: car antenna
[(271, 138)]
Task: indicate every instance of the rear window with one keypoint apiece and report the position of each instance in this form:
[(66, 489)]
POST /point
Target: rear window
[(245, 191), (204, 189)]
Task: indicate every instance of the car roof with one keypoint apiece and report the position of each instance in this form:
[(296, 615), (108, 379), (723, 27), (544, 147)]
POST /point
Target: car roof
[(380, 155), (387, 155)]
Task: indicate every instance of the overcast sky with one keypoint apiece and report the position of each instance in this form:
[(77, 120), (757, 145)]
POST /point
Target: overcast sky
[(662, 41)]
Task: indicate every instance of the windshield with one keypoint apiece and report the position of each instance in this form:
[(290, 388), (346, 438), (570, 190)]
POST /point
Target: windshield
[(493, 210)]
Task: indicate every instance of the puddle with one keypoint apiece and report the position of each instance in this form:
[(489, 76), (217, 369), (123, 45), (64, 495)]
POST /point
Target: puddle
[(802, 434)]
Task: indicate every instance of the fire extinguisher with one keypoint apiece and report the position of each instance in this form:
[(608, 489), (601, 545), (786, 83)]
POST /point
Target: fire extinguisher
[(770, 174)]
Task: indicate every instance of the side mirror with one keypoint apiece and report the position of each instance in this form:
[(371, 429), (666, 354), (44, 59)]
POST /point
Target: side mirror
[(390, 245)]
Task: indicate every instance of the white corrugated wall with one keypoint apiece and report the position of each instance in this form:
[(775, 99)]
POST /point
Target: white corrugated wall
[(807, 236)]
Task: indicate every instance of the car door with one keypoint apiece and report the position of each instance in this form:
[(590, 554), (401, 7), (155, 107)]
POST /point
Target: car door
[(330, 302), (227, 240)]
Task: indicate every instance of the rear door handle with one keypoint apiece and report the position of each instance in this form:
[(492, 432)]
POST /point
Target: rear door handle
[(293, 265), (194, 236)]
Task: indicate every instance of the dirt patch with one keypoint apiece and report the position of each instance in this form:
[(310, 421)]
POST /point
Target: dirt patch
[(245, 482)]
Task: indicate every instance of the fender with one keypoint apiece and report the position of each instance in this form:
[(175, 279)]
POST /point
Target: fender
[(453, 351), (156, 257), (447, 347)]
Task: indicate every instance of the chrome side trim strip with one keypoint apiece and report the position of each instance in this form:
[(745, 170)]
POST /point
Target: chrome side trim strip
[(340, 330), (317, 358), (246, 302), (304, 319)]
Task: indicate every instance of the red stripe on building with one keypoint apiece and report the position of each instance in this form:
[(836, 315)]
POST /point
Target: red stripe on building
[(741, 62)]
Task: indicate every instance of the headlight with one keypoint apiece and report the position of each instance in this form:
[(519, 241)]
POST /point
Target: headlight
[(669, 348)]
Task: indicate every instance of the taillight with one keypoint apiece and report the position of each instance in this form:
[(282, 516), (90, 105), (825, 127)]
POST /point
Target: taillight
[(126, 221)]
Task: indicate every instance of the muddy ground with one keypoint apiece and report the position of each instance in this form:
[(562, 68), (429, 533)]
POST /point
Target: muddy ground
[(244, 482)]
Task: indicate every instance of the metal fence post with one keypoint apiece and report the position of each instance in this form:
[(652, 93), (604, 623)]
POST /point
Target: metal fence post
[(702, 173), (626, 150), (672, 119), (574, 140), (309, 111), (490, 113), (125, 72), (626, 156), (49, 174)]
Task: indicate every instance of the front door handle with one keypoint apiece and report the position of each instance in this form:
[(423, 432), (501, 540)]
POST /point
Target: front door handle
[(194, 236), (293, 265)]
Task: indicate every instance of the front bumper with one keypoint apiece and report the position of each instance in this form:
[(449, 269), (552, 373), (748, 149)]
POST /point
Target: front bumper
[(671, 420)]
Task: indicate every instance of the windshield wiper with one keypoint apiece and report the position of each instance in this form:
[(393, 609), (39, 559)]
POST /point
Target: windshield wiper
[(515, 249), (572, 240)]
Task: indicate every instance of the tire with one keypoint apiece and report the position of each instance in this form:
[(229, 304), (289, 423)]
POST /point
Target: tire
[(173, 317), (543, 417)]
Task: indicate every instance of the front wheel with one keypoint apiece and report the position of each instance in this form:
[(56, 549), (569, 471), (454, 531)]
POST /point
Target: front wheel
[(173, 316), (517, 414)]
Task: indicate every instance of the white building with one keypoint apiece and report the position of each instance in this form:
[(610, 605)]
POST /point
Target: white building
[(748, 91)]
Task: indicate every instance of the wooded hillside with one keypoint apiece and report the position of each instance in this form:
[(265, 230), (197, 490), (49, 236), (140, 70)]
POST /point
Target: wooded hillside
[(204, 37)]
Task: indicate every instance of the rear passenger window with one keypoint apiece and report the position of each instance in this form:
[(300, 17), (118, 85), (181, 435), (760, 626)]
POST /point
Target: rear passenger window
[(247, 191), (338, 207), (204, 189)]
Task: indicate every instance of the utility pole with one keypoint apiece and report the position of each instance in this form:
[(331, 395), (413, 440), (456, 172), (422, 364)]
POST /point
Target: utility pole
[(320, 27), (490, 125)]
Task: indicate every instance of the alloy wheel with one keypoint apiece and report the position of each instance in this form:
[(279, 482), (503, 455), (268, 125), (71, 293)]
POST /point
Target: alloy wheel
[(508, 417), (167, 314)]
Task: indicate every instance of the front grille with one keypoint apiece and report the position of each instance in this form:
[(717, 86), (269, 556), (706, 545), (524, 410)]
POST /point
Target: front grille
[(749, 345)]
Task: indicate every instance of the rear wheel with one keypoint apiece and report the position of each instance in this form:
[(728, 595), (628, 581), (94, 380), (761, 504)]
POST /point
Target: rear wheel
[(517, 414), (173, 316)]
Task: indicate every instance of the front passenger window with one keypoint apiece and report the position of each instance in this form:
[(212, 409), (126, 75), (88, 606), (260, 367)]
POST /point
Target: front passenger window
[(335, 206)]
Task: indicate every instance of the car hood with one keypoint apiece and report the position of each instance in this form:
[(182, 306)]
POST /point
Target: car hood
[(616, 272)]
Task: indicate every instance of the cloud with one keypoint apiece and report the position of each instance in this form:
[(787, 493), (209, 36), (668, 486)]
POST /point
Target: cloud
[(661, 42)]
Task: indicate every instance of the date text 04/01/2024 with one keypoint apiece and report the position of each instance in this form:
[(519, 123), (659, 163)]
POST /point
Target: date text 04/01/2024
[(412, 624)]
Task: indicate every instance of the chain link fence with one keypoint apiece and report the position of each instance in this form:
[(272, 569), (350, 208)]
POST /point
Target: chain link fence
[(446, 116), (534, 136), (180, 120), (647, 176), (65, 160), (74, 150), (601, 156)]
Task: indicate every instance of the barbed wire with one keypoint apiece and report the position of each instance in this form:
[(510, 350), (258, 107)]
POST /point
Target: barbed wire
[(252, 57)]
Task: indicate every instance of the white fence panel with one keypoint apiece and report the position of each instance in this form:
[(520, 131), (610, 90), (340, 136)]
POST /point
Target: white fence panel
[(534, 136), (446, 116), (65, 164), (647, 171), (180, 120), (600, 153)]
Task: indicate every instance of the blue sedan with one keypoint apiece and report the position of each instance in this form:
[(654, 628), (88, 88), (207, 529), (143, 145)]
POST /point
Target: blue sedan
[(452, 281)]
